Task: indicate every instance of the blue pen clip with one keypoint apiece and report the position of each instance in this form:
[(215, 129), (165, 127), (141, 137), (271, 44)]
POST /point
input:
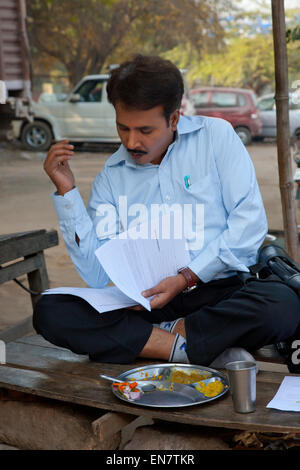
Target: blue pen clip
[(187, 181)]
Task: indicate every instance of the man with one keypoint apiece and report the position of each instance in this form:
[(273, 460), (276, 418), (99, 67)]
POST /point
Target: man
[(207, 310)]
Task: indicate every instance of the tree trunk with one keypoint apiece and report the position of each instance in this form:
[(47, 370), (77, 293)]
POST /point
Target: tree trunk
[(283, 130)]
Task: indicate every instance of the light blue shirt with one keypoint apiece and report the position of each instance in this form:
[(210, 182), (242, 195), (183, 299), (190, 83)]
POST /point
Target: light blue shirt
[(222, 181)]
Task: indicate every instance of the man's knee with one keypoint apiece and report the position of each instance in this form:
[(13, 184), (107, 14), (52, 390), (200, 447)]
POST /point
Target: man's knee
[(43, 314), (281, 315)]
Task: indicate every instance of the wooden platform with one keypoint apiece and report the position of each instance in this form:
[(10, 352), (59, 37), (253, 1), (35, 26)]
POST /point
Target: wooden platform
[(38, 368)]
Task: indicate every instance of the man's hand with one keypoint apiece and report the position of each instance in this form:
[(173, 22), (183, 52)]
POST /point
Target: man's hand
[(57, 167), (165, 290)]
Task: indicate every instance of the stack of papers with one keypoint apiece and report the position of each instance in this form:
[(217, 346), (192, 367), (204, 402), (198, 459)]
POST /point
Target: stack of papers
[(287, 397), (133, 265), (103, 300)]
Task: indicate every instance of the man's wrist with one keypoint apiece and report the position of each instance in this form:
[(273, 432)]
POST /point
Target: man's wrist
[(190, 277), (182, 280), (63, 191)]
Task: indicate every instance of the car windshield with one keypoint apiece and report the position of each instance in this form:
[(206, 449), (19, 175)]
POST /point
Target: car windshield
[(266, 104), (269, 104), (201, 99), (90, 90), (224, 100)]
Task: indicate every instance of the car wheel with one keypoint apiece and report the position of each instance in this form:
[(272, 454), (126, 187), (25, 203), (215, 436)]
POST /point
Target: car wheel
[(36, 135), (244, 134)]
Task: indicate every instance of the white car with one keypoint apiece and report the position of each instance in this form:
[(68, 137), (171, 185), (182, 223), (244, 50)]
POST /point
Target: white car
[(267, 108), (83, 116)]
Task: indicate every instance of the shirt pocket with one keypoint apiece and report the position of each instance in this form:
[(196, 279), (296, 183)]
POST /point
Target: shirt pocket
[(203, 190)]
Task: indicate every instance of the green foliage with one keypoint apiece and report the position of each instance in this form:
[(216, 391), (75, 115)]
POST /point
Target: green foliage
[(85, 36), (293, 34), (246, 63)]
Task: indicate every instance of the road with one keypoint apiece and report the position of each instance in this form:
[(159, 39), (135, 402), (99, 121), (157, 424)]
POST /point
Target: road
[(25, 195)]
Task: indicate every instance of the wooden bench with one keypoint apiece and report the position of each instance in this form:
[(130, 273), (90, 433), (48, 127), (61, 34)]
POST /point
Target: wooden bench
[(65, 397), (23, 253), (40, 370)]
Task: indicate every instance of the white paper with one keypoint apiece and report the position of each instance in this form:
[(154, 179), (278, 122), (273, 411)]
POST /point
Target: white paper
[(133, 264), (103, 300), (287, 397), (137, 265)]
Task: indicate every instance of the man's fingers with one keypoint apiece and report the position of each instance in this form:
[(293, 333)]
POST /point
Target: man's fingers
[(59, 159), (158, 302), (63, 145), (60, 155), (149, 292), (60, 150), (137, 307), (60, 142)]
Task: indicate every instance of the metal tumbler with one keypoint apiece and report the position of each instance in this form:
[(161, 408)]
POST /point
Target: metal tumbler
[(242, 380)]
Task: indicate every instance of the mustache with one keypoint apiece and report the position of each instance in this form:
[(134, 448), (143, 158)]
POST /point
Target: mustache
[(140, 152)]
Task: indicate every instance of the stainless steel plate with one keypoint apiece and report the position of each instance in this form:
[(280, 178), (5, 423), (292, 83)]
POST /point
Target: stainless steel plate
[(179, 396)]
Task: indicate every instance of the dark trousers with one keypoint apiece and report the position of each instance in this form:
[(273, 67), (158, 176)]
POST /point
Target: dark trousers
[(220, 314)]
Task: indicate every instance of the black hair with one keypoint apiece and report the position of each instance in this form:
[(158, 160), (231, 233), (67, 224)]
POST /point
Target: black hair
[(146, 82)]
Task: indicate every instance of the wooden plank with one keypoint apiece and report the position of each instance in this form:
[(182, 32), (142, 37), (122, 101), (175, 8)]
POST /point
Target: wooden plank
[(38, 340), (38, 279), (16, 331), (18, 235), (39, 358), (16, 246), (30, 352), (273, 367), (35, 357), (10, 29), (218, 413), (109, 424), (19, 268), (275, 376), (9, 15), (7, 4)]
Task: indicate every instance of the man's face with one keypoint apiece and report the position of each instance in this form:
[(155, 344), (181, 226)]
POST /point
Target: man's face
[(145, 134)]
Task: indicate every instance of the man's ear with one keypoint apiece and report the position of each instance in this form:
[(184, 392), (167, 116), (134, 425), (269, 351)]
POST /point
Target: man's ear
[(174, 118)]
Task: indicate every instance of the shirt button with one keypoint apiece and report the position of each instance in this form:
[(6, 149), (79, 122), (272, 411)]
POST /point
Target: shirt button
[(168, 197)]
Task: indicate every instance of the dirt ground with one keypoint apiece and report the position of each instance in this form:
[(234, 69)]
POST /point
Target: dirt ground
[(25, 204)]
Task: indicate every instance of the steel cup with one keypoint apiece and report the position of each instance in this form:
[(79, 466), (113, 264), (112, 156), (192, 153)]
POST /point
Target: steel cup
[(242, 380)]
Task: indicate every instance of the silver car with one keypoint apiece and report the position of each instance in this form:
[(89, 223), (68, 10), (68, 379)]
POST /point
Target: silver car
[(267, 108)]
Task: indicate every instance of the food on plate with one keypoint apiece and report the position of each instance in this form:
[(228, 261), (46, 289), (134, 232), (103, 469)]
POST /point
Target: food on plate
[(128, 390), (211, 389), (194, 375)]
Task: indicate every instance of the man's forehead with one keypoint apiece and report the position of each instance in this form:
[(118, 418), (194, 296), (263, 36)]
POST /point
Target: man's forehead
[(138, 117)]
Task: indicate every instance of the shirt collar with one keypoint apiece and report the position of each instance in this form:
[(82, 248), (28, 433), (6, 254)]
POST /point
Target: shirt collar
[(186, 125)]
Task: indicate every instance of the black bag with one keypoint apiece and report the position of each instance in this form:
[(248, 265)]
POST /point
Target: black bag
[(275, 263), (276, 260)]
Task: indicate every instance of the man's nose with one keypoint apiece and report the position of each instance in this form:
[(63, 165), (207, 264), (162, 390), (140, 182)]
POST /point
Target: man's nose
[(133, 140)]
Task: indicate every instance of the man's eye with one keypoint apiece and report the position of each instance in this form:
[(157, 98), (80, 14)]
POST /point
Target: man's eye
[(146, 131)]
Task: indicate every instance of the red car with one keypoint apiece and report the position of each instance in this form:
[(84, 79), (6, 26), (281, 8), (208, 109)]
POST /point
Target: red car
[(236, 105)]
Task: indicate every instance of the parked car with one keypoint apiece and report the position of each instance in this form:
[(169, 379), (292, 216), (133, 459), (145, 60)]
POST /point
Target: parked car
[(236, 105), (83, 116), (267, 107)]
